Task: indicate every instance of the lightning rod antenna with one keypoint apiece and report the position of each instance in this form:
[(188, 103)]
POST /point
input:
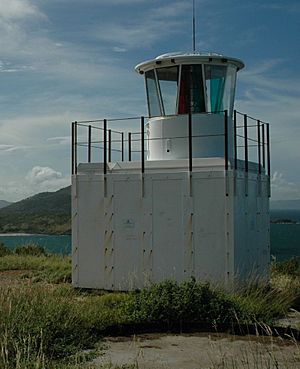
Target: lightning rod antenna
[(194, 28)]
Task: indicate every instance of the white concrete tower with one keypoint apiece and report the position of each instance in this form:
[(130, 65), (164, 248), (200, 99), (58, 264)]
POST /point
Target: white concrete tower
[(194, 202)]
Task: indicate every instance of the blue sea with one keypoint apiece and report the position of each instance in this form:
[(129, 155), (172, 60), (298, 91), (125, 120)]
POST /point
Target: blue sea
[(285, 238), (52, 244)]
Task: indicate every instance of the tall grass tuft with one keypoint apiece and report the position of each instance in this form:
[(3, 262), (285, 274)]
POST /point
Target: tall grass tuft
[(41, 324), (286, 279), (30, 249), (4, 250)]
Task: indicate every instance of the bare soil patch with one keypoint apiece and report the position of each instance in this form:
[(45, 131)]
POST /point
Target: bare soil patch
[(194, 351)]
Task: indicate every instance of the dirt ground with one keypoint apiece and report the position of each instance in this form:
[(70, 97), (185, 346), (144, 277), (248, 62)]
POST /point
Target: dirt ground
[(205, 351)]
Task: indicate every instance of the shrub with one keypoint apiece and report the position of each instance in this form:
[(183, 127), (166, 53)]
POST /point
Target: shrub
[(4, 250), (289, 267), (169, 302), (30, 249)]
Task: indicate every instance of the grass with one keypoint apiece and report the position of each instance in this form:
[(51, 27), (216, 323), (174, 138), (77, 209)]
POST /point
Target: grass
[(33, 263), (44, 322), (286, 277)]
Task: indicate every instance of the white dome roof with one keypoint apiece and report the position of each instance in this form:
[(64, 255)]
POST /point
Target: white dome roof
[(177, 58)]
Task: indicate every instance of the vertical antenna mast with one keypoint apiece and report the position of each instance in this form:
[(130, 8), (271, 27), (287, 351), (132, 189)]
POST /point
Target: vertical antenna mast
[(194, 28)]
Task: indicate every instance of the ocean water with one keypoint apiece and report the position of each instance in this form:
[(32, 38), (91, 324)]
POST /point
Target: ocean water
[(285, 241), (52, 244), (285, 238)]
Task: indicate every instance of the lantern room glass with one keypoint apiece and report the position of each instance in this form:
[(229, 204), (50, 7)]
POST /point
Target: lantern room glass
[(220, 88), (152, 94), (168, 82), (191, 95), (196, 88)]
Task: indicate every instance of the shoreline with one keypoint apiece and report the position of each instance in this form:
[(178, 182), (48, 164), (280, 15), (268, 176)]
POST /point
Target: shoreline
[(31, 234)]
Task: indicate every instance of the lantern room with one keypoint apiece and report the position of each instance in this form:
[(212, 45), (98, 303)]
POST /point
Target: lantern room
[(177, 84), (190, 83)]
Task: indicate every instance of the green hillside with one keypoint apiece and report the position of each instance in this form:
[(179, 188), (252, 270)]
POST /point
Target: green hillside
[(44, 213), (4, 203)]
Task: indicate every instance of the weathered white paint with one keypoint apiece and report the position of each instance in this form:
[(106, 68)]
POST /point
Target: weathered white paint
[(167, 137), (134, 229)]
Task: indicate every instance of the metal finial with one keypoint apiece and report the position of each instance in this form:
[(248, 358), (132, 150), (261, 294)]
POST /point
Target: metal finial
[(194, 28)]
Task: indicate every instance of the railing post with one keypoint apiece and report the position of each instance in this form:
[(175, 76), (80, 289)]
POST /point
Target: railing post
[(235, 139), (226, 138), (129, 146), (258, 147), (268, 150), (75, 147), (89, 143), (263, 146), (190, 143), (143, 144), (246, 141), (122, 145), (105, 147), (72, 148), (109, 145)]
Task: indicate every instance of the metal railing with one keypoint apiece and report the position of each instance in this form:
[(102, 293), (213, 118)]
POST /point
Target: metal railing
[(251, 142), (255, 137)]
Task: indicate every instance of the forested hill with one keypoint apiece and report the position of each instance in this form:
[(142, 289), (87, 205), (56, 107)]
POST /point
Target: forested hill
[(46, 213), (4, 203)]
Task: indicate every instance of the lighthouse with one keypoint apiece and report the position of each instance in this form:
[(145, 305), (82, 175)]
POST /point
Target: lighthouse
[(184, 194)]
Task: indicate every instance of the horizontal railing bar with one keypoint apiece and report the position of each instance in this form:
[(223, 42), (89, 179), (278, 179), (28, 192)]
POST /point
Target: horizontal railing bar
[(99, 147), (100, 128), (87, 125), (248, 145), (168, 138), (89, 121), (120, 119), (248, 138), (249, 126), (248, 116), (179, 137), (146, 117), (154, 139)]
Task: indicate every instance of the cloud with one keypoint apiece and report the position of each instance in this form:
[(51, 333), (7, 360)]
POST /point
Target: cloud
[(17, 9), (119, 49), (265, 76), (38, 179), (153, 25), (124, 2), (274, 97), (10, 148), (7, 67), (38, 175), (283, 188), (289, 6), (41, 179), (62, 140)]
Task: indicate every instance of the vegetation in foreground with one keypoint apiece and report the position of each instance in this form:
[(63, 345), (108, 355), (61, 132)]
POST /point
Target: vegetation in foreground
[(46, 323)]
